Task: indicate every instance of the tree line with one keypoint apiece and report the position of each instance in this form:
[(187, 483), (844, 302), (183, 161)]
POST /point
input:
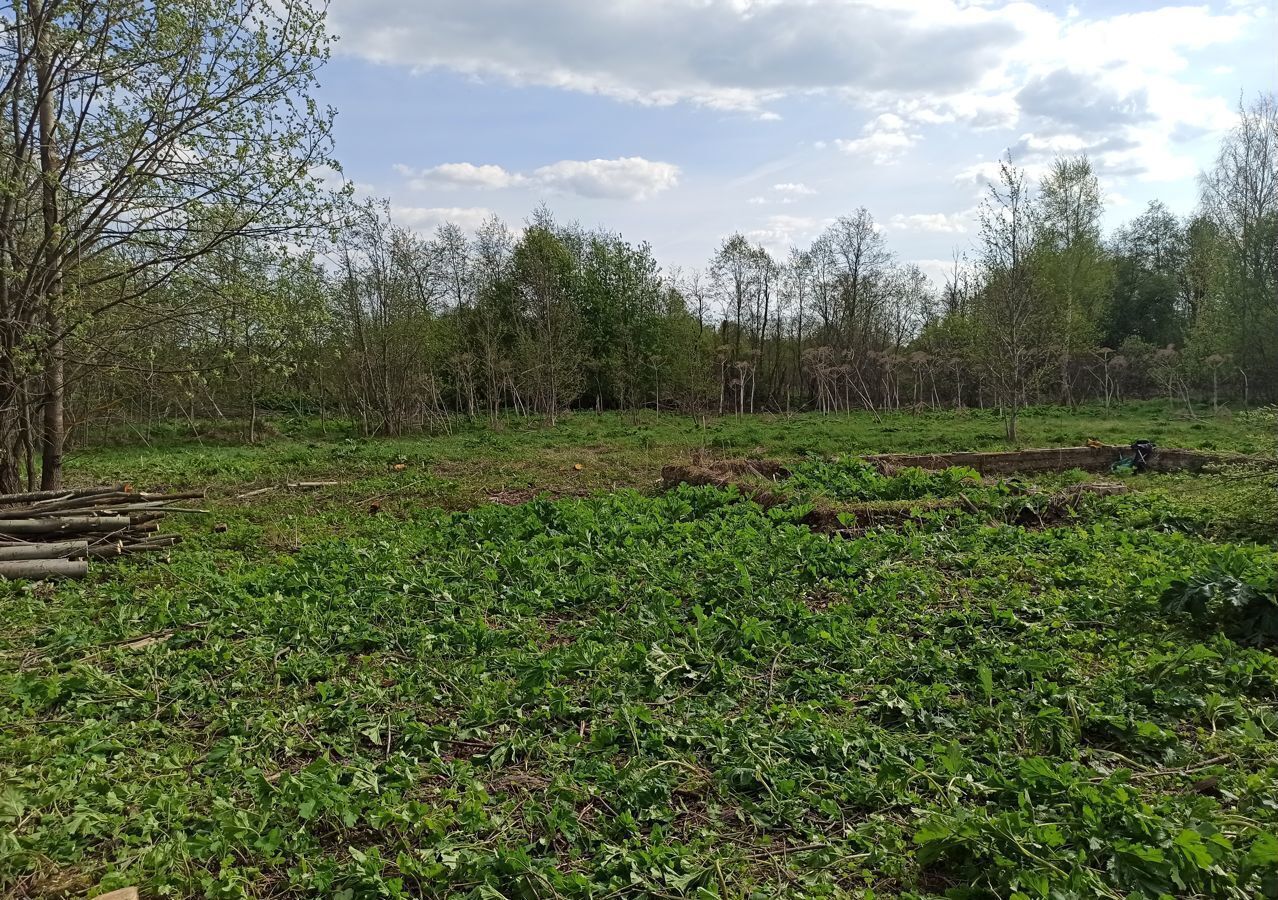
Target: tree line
[(398, 331), (172, 252)]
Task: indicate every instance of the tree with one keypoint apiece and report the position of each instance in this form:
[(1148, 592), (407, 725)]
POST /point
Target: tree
[(733, 270), (1240, 200), (862, 259), (622, 299), (491, 332), (451, 255), (139, 137), (387, 308), (549, 321), (1074, 268), (798, 274), (1150, 296), (1012, 318)]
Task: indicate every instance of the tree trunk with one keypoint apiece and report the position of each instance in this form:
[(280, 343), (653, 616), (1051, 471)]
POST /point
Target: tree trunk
[(51, 441), (39, 569), (50, 550), (12, 419)]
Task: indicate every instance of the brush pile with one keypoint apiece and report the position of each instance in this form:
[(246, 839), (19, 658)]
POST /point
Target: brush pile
[(54, 534)]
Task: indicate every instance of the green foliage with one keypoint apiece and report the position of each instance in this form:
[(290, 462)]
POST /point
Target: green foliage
[(679, 696), (1237, 503), (855, 479), (620, 449), (1236, 593)]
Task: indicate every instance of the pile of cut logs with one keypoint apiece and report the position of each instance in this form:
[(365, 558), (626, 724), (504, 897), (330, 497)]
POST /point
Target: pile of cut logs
[(54, 534)]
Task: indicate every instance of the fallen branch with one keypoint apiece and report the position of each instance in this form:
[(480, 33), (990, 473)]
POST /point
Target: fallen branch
[(38, 569), (37, 496), (62, 525), (43, 532), (51, 550)]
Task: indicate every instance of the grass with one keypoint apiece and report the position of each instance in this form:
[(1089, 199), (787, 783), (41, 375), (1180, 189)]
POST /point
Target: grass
[(474, 463), (642, 694)]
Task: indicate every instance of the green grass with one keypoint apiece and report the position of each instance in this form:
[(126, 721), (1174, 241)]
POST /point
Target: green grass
[(474, 463), (637, 694)]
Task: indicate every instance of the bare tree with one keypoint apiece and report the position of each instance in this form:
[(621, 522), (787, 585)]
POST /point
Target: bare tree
[(862, 259), (1010, 312)]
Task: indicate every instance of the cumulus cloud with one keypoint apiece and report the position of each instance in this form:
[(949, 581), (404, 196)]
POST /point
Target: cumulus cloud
[(421, 218), (1085, 79), (981, 64), (1140, 153), (780, 232), (980, 112), (936, 223), (793, 189), (460, 175), (1074, 102), (884, 140), (784, 193), (735, 54), (626, 178)]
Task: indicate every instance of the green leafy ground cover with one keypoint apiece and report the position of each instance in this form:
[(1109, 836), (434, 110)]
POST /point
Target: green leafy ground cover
[(472, 463), (636, 694), (850, 479)]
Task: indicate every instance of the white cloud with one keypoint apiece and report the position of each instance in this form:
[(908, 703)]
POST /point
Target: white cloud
[(780, 232), (937, 223), (426, 219), (783, 193), (884, 148), (939, 271), (971, 109), (460, 175), (885, 140), (1122, 88), (627, 178), (793, 188), (730, 54), (925, 61)]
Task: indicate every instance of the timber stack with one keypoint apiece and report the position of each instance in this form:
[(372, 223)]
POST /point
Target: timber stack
[(54, 534)]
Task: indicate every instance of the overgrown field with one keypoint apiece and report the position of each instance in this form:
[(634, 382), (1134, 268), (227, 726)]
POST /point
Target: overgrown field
[(635, 693), (616, 450)]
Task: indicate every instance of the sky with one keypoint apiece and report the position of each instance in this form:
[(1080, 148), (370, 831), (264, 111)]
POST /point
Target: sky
[(678, 122)]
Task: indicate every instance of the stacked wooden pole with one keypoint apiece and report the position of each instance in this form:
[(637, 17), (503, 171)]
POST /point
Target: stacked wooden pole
[(54, 534)]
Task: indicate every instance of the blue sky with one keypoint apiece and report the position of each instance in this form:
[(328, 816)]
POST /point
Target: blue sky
[(680, 122)]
